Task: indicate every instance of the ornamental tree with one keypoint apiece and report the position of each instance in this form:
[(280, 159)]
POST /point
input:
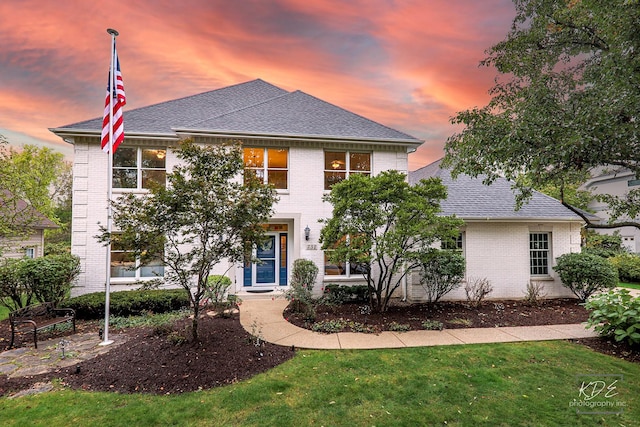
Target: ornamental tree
[(566, 99), (204, 215), (386, 227)]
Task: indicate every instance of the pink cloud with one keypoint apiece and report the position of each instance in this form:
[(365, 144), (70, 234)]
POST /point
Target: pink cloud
[(407, 64)]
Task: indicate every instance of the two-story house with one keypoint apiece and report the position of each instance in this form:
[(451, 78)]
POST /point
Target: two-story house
[(300, 144)]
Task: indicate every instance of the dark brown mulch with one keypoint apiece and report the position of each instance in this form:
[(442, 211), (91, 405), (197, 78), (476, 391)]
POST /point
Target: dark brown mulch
[(152, 363), (453, 314)]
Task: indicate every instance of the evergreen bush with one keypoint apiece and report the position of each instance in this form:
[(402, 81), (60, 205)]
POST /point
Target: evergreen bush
[(585, 273)]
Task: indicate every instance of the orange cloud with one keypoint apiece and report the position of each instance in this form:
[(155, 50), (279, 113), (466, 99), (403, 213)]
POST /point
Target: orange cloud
[(407, 64)]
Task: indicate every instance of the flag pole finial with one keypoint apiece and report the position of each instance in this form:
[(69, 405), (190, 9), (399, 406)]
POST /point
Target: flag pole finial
[(112, 32)]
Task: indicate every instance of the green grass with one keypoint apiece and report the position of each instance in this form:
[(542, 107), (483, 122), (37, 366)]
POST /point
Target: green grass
[(514, 384), (629, 285)]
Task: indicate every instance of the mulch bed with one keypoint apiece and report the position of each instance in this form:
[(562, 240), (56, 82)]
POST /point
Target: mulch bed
[(452, 314), (154, 361)]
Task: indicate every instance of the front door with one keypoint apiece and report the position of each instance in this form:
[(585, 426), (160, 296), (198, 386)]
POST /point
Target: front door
[(266, 272), (272, 270)]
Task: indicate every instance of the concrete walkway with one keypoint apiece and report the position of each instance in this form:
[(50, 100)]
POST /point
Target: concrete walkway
[(263, 317)]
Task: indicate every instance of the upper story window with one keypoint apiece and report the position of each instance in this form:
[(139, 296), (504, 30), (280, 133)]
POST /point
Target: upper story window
[(270, 165), (139, 168), (539, 253), (338, 165)]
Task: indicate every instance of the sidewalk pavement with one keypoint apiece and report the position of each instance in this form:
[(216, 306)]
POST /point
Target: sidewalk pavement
[(263, 317)]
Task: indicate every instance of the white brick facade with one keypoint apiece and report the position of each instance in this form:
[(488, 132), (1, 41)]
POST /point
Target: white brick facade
[(499, 252)]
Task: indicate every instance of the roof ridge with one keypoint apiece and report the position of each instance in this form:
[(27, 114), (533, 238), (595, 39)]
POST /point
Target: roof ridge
[(239, 109)]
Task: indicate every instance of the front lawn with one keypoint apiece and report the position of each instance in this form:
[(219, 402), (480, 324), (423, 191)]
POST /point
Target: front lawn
[(629, 285), (527, 384)]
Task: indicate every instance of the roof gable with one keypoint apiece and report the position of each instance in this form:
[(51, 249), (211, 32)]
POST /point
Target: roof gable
[(469, 198)]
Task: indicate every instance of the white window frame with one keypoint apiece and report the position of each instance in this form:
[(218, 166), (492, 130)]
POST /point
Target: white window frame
[(537, 247), (139, 169), (264, 170), (30, 252), (136, 272), (347, 167)]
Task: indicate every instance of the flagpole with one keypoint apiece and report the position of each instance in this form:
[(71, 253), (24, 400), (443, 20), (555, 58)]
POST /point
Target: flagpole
[(112, 89)]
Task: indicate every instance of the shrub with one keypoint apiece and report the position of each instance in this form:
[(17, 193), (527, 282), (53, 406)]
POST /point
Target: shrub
[(628, 266), (432, 325), (50, 278), (329, 326), (585, 273), (13, 293), (441, 274), (129, 303), (303, 278), (340, 294), (535, 293), (477, 290), (615, 314), (216, 289), (399, 327)]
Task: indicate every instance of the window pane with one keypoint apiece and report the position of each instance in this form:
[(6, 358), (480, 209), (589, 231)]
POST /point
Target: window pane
[(125, 178), (360, 161), (125, 157), (278, 157), (331, 269), (153, 176), (253, 157), (335, 160), (122, 264), (278, 178), (152, 268), (331, 178), (153, 158)]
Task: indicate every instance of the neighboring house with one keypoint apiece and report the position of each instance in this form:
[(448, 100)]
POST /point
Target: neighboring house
[(293, 140), (29, 243), (507, 246), (615, 181)]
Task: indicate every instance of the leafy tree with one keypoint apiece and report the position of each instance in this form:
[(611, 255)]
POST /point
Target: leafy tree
[(565, 101), (386, 227), (41, 178), (202, 217)]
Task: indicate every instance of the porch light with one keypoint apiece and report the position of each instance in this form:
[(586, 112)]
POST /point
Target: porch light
[(307, 232)]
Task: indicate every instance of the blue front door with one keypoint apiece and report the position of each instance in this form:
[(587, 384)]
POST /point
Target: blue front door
[(272, 269)]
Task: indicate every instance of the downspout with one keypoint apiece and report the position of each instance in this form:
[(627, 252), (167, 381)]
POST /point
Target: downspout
[(404, 288)]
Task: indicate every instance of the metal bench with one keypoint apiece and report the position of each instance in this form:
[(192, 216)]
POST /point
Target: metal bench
[(36, 317)]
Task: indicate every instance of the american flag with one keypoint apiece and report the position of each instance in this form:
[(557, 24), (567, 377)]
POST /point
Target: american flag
[(119, 100)]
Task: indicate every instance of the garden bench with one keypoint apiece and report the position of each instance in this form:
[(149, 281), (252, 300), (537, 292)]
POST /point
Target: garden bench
[(37, 317)]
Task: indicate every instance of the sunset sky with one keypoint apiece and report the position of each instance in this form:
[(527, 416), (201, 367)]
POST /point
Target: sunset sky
[(408, 64)]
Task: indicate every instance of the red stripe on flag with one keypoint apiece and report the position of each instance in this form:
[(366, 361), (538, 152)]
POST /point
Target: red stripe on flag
[(119, 100)]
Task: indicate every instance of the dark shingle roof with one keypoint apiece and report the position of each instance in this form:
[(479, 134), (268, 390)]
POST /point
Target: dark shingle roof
[(254, 108), (162, 117), (469, 198)]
